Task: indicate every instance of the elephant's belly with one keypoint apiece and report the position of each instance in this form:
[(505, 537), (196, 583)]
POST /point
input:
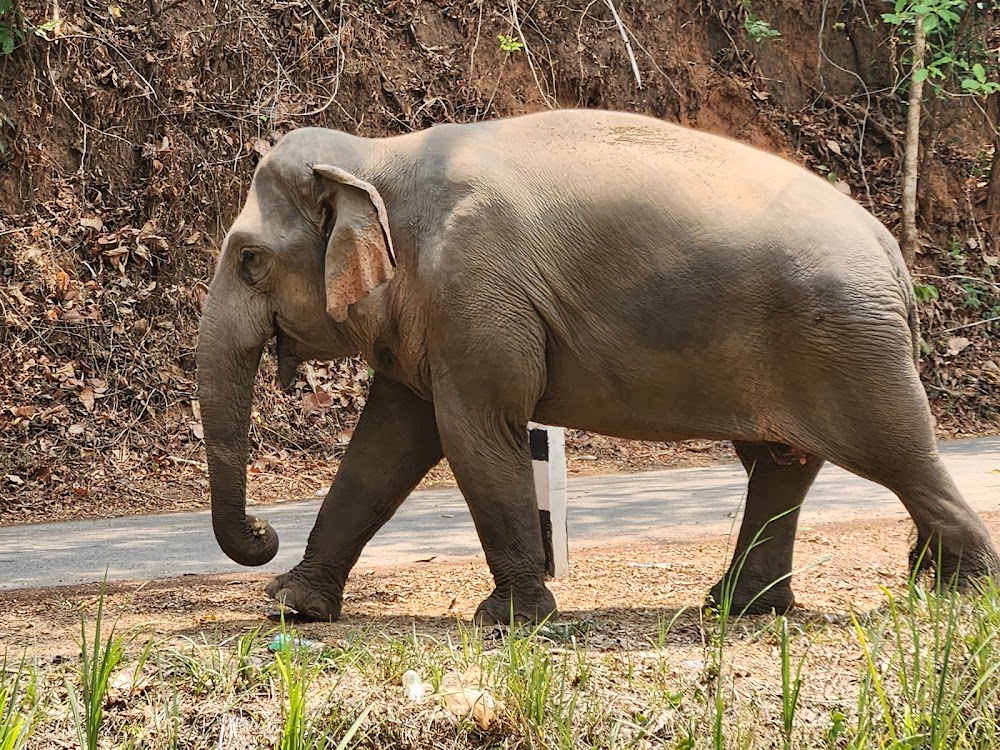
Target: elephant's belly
[(665, 402)]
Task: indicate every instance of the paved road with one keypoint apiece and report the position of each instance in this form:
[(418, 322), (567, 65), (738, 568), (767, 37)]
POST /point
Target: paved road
[(664, 506)]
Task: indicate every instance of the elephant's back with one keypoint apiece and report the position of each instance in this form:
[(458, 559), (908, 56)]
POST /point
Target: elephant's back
[(637, 175)]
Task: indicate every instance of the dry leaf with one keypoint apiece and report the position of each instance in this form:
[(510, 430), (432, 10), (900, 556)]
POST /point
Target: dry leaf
[(62, 282), (92, 223), (129, 681), (197, 430), (317, 403), (87, 398), (957, 344), (835, 147), (463, 702)]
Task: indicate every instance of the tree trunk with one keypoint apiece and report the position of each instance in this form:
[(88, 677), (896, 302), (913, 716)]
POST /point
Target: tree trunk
[(992, 217), (912, 152)]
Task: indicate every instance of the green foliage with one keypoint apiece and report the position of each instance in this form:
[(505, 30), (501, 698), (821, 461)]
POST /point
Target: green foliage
[(14, 28), (757, 28), (925, 292), (18, 705), (932, 679), (760, 30), (297, 669), (791, 687), (955, 51), (509, 43), (11, 26)]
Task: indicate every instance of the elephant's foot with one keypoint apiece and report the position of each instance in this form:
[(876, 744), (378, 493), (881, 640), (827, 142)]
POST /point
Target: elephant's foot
[(308, 598), (529, 605), (748, 597), (956, 570)]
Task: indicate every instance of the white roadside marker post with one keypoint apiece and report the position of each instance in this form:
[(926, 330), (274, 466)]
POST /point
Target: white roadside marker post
[(548, 460)]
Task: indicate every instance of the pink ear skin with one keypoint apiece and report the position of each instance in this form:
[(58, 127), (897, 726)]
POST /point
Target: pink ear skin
[(359, 253)]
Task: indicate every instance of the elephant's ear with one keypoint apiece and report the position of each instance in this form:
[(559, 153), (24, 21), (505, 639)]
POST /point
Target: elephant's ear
[(359, 254)]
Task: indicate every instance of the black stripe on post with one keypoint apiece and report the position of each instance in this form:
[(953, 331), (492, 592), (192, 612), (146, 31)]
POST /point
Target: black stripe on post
[(539, 440), (550, 559)]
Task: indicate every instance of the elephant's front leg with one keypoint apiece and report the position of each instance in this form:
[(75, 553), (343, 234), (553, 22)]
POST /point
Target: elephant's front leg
[(491, 459), (394, 445)]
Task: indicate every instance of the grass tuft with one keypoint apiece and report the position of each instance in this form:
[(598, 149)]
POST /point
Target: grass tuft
[(18, 704), (98, 660)]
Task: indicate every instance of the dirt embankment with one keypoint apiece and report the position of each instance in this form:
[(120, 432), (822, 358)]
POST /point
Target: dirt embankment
[(130, 137)]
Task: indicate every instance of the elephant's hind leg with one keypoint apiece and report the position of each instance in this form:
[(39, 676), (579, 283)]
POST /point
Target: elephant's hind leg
[(759, 577), (951, 537), (875, 422)]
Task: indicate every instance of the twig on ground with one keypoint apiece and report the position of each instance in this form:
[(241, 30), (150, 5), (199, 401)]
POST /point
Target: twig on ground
[(982, 322)]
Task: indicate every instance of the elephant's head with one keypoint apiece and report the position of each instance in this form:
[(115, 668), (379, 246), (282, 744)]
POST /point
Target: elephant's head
[(311, 241)]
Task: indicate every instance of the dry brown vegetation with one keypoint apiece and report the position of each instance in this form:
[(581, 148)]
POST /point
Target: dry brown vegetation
[(130, 135)]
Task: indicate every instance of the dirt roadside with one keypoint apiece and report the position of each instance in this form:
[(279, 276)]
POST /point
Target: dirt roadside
[(620, 590)]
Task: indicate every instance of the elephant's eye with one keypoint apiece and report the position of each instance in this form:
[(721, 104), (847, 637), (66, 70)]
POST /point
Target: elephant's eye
[(253, 265)]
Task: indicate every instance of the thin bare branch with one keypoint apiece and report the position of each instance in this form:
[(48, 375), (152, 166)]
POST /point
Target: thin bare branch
[(628, 44)]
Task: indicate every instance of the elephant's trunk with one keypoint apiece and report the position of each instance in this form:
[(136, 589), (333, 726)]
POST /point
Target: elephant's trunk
[(226, 372)]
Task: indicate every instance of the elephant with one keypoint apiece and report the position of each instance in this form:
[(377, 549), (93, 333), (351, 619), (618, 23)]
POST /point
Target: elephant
[(598, 270)]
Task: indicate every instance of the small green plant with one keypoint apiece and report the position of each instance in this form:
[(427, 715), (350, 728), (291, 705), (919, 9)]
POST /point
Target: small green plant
[(925, 292), (11, 26), (296, 673), (297, 668), (18, 705), (14, 28), (98, 660), (838, 727), (791, 686), (759, 30), (510, 43)]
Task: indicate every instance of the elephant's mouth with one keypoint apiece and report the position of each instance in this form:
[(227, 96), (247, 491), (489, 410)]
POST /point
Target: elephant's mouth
[(288, 359)]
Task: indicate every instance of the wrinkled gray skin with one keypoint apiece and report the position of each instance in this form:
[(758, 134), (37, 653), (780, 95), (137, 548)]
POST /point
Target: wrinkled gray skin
[(598, 270)]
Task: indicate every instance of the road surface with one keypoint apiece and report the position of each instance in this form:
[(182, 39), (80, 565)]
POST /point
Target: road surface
[(659, 506)]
